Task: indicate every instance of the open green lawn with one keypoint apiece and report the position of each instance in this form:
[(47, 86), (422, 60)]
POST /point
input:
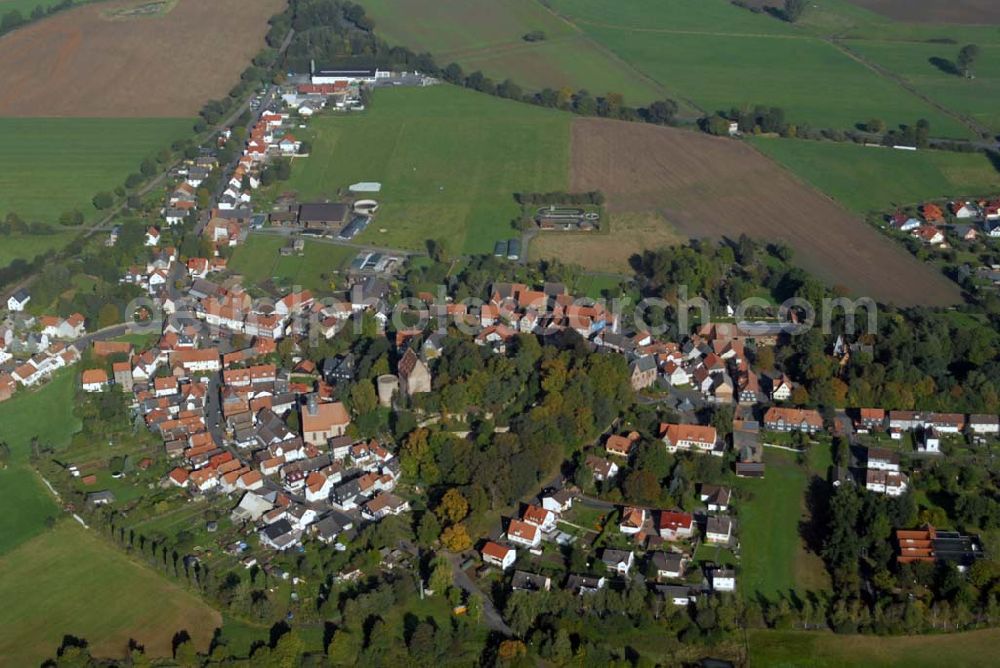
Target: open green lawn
[(69, 581), (27, 246), (314, 270), (254, 260), (29, 504), (488, 35), (773, 557), (46, 413), (258, 260), (449, 160), (978, 98), (52, 165), (801, 649), (874, 179)]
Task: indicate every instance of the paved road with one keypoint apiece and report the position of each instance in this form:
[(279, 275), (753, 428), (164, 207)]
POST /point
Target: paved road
[(490, 614), (105, 334)]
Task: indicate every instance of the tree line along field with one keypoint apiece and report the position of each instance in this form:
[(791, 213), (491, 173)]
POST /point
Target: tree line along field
[(868, 179), (721, 56), (927, 66), (713, 55), (449, 160), (70, 581), (54, 579), (52, 165), (488, 35)]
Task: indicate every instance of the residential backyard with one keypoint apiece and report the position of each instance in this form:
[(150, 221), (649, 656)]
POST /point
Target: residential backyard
[(774, 558), (259, 260)]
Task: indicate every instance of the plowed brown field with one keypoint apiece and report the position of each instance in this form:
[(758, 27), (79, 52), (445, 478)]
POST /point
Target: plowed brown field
[(970, 12), (713, 187), (82, 63)]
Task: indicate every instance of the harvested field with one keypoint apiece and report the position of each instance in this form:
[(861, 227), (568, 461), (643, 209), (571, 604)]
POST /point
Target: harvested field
[(970, 12), (91, 62), (712, 187)]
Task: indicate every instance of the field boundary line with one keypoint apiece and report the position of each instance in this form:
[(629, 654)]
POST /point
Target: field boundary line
[(656, 83), (901, 81)]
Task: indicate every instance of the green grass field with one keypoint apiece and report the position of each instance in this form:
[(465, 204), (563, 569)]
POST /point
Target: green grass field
[(774, 561), (25, 6), (258, 260), (801, 649), (46, 413), (27, 246), (30, 503), (449, 161), (720, 56), (978, 98), (874, 179), (68, 581), (488, 35), (52, 165)]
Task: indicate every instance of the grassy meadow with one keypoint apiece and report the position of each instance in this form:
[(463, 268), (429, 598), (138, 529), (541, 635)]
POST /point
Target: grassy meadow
[(28, 246), (258, 260), (867, 179), (449, 161), (488, 35), (46, 413), (25, 6), (774, 561), (803, 649), (69, 581), (52, 165), (720, 56), (927, 66)]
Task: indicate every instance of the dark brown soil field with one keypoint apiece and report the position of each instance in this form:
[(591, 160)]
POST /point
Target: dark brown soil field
[(969, 12), (88, 62), (713, 187)]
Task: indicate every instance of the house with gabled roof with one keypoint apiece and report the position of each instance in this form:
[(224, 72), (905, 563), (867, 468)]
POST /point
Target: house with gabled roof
[(618, 561), (675, 524), (522, 533), (793, 419), (498, 555), (690, 437), (621, 446), (633, 520)]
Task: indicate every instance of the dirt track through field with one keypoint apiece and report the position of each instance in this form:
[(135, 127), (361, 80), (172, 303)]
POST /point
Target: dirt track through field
[(81, 63), (969, 12), (714, 187)]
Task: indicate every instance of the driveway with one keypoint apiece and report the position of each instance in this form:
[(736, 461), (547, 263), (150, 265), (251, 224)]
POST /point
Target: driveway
[(490, 614)]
